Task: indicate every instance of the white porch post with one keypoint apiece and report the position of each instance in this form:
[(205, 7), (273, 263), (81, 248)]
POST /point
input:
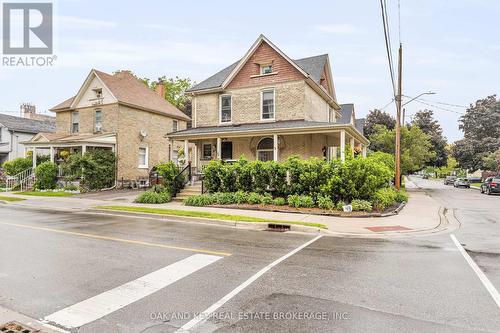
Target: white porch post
[(84, 149), (352, 143), (275, 147), (219, 148), (186, 152), (171, 150), (52, 153), (34, 157), (334, 153), (342, 146), (195, 156), (363, 151)]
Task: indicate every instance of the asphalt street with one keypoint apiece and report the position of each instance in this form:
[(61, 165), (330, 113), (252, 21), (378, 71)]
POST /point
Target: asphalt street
[(106, 273)]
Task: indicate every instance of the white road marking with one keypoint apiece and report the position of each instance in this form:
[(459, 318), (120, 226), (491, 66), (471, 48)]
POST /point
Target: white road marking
[(486, 282), (103, 304), (206, 314)]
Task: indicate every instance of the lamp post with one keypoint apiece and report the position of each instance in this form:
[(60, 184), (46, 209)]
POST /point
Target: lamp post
[(411, 100)]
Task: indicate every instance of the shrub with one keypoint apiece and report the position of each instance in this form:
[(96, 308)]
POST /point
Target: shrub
[(254, 198), (158, 188), (46, 176), (401, 196), (242, 170), (99, 167), (385, 197), (168, 172), (260, 175), (279, 201), (224, 198), (267, 199), (151, 197), (340, 205), (211, 178), (17, 165), (240, 197), (361, 205), (71, 187), (72, 166), (298, 201), (325, 202), (200, 200)]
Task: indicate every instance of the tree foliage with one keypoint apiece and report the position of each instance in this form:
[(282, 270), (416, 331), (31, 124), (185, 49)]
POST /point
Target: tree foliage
[(175, 90), (416, 146), (425, 120), (377, 117), (481, 127)]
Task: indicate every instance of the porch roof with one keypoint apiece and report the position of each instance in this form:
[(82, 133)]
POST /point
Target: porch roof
[(64, 140), (266, 128)]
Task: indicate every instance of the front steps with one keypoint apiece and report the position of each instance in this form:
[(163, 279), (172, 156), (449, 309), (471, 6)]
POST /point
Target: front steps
[(188, 191)]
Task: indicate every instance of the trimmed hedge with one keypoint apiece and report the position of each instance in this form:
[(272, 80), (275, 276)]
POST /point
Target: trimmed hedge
[(357, 178), (387, 197), (46, 176)]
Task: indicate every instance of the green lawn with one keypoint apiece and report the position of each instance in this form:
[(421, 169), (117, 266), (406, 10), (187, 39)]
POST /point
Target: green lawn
[(46, 194), (217, 216), (4, 198)]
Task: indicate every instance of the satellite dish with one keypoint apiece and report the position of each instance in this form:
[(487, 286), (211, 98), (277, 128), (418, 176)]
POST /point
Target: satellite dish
[(143, 134)]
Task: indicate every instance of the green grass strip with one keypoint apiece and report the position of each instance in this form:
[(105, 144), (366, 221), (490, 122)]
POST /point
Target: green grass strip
[(4, 198), (45, 194), (209, 215)]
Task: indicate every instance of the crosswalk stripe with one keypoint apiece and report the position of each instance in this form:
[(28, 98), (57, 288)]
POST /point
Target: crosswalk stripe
[(112, 300)]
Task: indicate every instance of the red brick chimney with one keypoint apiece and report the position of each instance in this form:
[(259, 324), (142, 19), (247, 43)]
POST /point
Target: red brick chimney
[(160, 88)]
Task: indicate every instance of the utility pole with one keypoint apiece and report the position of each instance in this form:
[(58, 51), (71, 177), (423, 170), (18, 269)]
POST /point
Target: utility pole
[(399, 97)]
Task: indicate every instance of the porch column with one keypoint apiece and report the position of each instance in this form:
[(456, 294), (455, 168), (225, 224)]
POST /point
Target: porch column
[(219, 148), (334, 153), (186, 152), (52, 153), (275, 147), (34, 157), (84, 149), (352, 143), (363, 151), (194, 162), (342, 146), (171, 150)]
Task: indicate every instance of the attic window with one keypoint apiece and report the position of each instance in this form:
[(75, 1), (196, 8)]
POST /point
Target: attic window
[(266, 69), (98, 92)]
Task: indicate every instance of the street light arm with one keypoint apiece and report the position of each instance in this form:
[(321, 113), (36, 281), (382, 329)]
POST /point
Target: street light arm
[(422, 94)]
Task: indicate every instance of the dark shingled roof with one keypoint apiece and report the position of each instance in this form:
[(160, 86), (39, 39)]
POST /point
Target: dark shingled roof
[(311, 65), (25, 125), (360, 125), (346, 111)]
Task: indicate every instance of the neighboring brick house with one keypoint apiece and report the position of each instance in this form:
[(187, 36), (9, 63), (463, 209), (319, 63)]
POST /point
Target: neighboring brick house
[(267, 106), (116, 112)]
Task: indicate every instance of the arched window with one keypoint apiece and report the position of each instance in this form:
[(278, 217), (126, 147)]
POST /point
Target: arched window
[(265, 149)]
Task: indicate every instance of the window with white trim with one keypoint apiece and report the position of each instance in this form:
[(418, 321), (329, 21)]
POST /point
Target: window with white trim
[(75, 122), (98, 120), (143, 157), (225, 108), (265, 149), (267, 97), (207, 151), (266, 69), (175, 125)]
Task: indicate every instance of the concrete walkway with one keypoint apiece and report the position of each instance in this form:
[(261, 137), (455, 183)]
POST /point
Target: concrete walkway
[(422, 214)]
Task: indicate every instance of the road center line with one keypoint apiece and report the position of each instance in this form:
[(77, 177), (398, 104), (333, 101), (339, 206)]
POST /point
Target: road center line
[(129, 241), (206, 314), (486, 282), (103, 304)]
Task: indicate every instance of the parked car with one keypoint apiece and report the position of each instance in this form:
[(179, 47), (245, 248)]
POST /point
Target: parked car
[(425, 176), (491, 185), (461, 182), (450, 180), (474, 179)]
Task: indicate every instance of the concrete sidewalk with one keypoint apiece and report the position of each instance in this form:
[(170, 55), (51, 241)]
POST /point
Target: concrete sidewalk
[(422, 214)]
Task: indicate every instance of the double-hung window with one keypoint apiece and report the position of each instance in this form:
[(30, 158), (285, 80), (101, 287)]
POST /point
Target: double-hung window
[(174, 125), (207, 151), (98, 120), (267, 97), (143, 157), (225, 109), (266, 69), (75, 122)]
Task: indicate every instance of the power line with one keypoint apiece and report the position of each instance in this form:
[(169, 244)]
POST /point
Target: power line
[(383, 108), (388, 46), (442, 103), (438, 107)]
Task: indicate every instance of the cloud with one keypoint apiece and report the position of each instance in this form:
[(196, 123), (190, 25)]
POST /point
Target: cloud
[(336, 29), (80, 23)]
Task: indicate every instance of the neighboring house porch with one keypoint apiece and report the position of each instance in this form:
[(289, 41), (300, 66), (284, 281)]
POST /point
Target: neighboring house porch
[(271, 141)]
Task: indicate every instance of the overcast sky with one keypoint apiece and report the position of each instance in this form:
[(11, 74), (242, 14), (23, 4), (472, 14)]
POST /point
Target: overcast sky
[(450, 47)]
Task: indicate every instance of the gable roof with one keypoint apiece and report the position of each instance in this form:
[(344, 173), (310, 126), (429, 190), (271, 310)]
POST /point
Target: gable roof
[(128, 90), (25, 125), (346, 113), (310, 67), (360, 125)]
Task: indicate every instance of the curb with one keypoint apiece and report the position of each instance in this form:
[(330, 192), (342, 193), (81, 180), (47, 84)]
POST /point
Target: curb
[(201, 220)]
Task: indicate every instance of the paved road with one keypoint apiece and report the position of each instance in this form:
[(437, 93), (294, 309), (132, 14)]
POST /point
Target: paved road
[(120, 274)]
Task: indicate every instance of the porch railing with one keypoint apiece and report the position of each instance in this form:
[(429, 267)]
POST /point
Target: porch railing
[(22, 179), (182, 178)]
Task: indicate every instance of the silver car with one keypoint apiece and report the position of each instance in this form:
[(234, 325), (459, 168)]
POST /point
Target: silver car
[(461, 182)]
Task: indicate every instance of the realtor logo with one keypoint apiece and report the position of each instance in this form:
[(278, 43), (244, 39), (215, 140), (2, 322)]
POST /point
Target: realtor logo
[(27, 28)]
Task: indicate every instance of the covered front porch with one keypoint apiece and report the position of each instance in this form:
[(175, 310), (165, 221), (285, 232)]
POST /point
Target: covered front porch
[(312, 139)]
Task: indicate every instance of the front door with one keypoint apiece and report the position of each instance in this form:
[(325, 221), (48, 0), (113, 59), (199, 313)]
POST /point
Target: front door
[(227, 150)]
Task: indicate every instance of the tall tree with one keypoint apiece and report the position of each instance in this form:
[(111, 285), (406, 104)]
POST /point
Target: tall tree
[(377, 117), (416, 146), (430, 126), (481, 127)]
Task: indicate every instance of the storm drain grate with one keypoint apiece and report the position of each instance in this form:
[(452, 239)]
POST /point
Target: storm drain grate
[(15, 327), (278, 227)]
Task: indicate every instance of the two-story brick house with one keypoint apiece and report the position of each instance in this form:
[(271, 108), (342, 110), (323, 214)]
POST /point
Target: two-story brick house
[(116, 112), (267, 106)]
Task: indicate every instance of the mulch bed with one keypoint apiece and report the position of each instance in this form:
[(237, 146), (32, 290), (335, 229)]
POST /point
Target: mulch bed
[(313, 211)]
